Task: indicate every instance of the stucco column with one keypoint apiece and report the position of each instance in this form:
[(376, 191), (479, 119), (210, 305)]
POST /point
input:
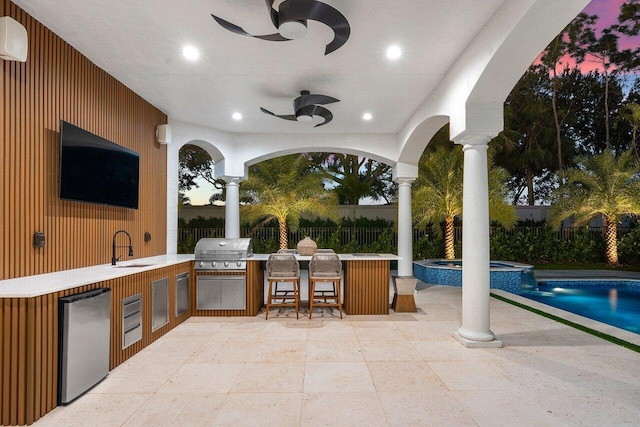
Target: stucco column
[(405, 241), (232, 210), (475, 330)]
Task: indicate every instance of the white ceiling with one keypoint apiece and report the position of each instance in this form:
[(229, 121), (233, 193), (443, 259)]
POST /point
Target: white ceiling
[(140, 41)]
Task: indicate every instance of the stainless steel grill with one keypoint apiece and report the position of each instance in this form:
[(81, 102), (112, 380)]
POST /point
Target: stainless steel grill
[(222, 254)]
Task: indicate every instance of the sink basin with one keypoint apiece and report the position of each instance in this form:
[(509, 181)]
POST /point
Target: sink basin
[(132, 265), (362, 254)]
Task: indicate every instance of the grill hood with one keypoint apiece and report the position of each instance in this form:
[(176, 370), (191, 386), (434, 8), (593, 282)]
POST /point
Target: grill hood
[(214, 254)]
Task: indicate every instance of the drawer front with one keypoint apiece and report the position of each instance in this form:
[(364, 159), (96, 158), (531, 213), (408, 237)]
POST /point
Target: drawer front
[(133, 336), (130, 322), (131, 305)]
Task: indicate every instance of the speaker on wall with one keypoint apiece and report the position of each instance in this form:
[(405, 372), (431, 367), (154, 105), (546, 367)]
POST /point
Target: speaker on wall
[(163, 134), (13, 40)]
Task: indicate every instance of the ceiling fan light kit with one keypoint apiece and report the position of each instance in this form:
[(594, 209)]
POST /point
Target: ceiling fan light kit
[(293, 30)]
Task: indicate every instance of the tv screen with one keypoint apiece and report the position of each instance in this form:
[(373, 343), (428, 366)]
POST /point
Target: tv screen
[(95, 170)]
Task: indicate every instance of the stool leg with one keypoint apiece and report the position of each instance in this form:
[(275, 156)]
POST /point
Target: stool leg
[(296, 295), (268, 301), (312, 287), (337, 286)]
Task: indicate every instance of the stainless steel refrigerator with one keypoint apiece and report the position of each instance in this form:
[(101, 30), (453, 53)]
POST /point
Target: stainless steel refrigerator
[(83, 342)]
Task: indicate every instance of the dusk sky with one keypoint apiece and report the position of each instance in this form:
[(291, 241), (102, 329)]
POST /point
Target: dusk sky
[(607, 10)]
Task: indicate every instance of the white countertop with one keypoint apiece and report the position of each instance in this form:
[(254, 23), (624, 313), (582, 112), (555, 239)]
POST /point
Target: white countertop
[(42, 284), (343, 257)]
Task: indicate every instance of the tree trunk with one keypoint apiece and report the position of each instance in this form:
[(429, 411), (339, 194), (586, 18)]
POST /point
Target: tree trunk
[(611, 241), (554, 107), (606, 108), (530, 197), (284, 239), (633, 142), (449, 248)]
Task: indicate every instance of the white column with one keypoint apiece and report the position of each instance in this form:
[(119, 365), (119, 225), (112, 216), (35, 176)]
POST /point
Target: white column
[(172, 197), (405, 240), (475, 330), (232, 210)]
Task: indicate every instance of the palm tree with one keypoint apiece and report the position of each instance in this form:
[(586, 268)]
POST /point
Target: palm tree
[(283, 189), (438, 192), (603, 185)]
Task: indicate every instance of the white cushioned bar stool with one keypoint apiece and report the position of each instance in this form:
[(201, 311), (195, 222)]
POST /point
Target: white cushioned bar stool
[(325, 268), (283, 267)]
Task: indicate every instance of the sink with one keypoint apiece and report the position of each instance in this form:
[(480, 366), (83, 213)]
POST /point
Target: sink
[(133, 265), (362, 254)]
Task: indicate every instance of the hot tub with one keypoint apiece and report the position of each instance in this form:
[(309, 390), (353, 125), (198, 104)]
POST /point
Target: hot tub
[(509, 276)]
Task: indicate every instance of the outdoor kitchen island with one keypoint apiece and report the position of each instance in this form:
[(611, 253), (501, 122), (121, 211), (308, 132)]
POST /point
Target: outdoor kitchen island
[(366, 279)]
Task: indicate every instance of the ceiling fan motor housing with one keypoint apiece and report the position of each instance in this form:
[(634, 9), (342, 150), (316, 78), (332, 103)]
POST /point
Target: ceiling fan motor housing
[(290, 28)]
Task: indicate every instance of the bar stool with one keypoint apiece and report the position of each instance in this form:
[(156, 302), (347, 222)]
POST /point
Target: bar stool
[(283, 267), (325, 268)]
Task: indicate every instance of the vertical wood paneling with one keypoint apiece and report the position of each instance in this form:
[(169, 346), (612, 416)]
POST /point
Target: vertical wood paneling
[(366, 287), (58, 83), (29, 341)]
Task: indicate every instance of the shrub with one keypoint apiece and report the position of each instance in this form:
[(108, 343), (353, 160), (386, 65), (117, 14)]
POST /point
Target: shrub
[(629, 247)]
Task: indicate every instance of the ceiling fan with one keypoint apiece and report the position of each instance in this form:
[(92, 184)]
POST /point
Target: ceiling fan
[(291, 21), (306, 106)]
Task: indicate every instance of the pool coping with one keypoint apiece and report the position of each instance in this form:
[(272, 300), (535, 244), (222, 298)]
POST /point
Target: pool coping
[(603, 328)]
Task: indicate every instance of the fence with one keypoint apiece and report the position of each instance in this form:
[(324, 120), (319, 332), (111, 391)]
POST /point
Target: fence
[(367, 236)]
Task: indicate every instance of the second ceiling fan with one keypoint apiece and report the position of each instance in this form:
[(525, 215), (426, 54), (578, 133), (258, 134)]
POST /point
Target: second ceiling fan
[(306, 106)]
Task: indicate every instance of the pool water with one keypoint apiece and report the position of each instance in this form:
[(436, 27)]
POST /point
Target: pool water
[(618, 306)]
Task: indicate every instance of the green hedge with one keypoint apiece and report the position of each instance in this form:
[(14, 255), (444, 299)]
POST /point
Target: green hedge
[(547, 246)]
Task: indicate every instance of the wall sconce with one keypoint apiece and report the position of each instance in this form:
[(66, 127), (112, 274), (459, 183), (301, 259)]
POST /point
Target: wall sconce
[(38, 239), (147, 236)]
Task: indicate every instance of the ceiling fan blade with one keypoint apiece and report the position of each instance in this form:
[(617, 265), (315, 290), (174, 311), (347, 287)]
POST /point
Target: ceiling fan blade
[(321, 12), (324, 113), (286, 117), (272, 12), (235, 29), (312, 99)]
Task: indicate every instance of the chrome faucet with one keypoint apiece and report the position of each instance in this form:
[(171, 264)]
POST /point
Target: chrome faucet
[(113, 246)]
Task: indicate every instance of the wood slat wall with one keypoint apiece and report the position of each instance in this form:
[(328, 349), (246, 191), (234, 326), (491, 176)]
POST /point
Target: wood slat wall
[(29, 341), (56, 83), (366, 287)]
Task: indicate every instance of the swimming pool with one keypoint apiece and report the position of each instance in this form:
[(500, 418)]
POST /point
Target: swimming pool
[(614, 302)]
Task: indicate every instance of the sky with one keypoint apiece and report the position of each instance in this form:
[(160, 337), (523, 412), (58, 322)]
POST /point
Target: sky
[(607, 10)]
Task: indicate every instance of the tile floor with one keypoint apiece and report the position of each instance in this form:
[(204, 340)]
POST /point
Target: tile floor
[(397, 370)]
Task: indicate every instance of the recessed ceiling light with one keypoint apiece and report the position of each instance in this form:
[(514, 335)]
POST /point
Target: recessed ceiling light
[(367, 116), (236, 116), (394, 52), (191, 53)]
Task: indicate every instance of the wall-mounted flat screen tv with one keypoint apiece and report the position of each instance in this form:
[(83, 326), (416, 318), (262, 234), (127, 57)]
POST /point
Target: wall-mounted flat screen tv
[(95, 170)]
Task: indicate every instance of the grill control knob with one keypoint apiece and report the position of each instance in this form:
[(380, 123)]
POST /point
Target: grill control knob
[(226, 263), (213, 264), (201, 264), (239, 263)]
